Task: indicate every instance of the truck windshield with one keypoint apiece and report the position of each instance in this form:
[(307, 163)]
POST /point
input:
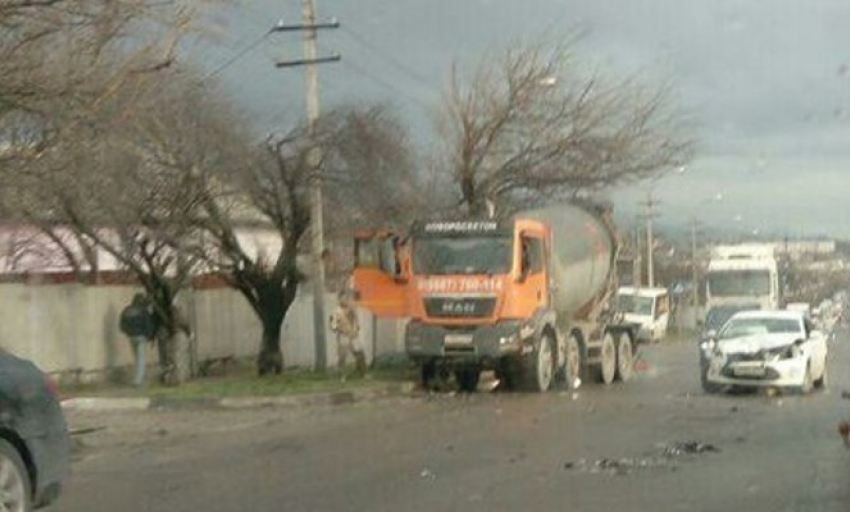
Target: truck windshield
[(737, 283), (634, 304), (462, 255)]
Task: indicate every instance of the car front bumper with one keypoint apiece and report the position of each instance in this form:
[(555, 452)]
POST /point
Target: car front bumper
[(776, 373)]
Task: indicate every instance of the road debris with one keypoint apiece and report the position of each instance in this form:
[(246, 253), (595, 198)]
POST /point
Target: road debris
[(689, 448), (83, 431), (427, 473), (664, 457)]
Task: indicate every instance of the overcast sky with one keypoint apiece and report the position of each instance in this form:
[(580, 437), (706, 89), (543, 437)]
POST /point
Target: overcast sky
[(764, 84)]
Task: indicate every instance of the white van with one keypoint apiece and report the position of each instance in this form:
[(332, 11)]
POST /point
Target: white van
[(648, 307)]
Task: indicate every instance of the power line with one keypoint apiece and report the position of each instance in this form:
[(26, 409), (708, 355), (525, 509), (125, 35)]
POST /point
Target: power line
[(404, 68), (383, 83), (229, 62)]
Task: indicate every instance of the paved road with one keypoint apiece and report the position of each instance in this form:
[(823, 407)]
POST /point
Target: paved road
[(483, 452)]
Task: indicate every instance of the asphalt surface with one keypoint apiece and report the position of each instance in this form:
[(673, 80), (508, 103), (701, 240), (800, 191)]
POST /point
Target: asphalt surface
[(594, 449)]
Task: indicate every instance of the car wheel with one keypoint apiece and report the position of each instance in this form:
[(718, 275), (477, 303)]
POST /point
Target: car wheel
[(15, 486), (806, 386), (821, 383), (708, 386)]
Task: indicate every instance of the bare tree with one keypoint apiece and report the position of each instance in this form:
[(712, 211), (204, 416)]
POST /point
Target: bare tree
[(367, 169), (528, 129), (269, 191), (76, 54), (372, 179), (130, 182)]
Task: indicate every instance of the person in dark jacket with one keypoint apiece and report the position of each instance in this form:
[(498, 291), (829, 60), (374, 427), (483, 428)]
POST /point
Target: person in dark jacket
[(137, 322)]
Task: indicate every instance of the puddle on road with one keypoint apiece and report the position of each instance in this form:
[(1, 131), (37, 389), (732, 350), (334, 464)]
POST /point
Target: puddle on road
[(664, 457)]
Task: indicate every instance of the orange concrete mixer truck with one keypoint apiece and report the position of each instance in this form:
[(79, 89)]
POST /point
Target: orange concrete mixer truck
[(529, 297)]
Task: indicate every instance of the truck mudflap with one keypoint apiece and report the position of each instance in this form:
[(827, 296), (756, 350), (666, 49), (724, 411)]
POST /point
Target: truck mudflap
[(481, 345)]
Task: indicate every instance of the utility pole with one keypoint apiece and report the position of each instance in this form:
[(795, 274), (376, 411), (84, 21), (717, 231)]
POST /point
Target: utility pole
[(650, 249), (637, 258), (694, 281), (311, 60)]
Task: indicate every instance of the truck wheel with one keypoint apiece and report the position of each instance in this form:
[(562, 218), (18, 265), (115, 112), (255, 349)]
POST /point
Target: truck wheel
[(608, 365), (541, 366), (572, 364), (509, 373), (434, 377), (625, 358), (467, 378)]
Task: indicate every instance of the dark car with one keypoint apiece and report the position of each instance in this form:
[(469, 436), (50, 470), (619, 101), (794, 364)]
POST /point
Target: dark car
[(714, 320), (34, 443)]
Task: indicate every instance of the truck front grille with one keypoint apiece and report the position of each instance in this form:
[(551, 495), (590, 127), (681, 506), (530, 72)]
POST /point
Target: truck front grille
[(460, 307)]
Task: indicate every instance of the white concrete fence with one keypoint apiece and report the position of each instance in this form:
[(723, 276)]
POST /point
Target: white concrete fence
[(73, 329)]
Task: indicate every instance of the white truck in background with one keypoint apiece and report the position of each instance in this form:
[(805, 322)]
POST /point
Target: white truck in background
[(648, 308), (744, 275)]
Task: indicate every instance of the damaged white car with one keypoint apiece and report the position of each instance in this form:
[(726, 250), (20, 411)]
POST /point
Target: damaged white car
[(780, 349)]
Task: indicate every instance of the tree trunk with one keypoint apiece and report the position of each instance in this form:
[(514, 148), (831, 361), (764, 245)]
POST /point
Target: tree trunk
[(173, 357), (172, 340), (273, 310)]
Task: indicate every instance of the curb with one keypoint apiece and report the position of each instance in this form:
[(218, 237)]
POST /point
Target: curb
[(247, 402)]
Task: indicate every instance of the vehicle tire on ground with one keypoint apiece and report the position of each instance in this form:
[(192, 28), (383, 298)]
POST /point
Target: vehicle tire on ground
[(15, 486), (806, 386), (607, 369), (707, 386), (434, 377), (468, 378), (572, 368), (625, 357), (509, 373), (823, 381), (539, 368)]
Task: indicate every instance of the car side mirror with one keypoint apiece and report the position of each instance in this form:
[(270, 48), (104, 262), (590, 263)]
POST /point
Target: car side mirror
[(711, 334), (800, 341)]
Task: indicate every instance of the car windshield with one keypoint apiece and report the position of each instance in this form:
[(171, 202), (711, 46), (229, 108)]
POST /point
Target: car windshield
[(462, 255), (718, 316), (742, 327), (635, 304), (737, 283)]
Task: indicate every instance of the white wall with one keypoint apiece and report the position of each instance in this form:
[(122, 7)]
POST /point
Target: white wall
[(74, 328)]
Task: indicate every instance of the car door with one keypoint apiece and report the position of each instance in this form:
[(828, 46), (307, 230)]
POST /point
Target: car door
[(381, 277)]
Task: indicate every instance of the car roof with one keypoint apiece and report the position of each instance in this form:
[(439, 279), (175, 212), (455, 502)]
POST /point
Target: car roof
[(778, 314)]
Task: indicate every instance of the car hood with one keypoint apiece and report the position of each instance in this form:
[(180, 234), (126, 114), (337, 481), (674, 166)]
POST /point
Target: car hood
[(753, 344)]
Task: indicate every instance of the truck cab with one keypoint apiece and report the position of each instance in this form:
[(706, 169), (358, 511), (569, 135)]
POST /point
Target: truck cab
[(474, 291), (649, 308), (743, 274)]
